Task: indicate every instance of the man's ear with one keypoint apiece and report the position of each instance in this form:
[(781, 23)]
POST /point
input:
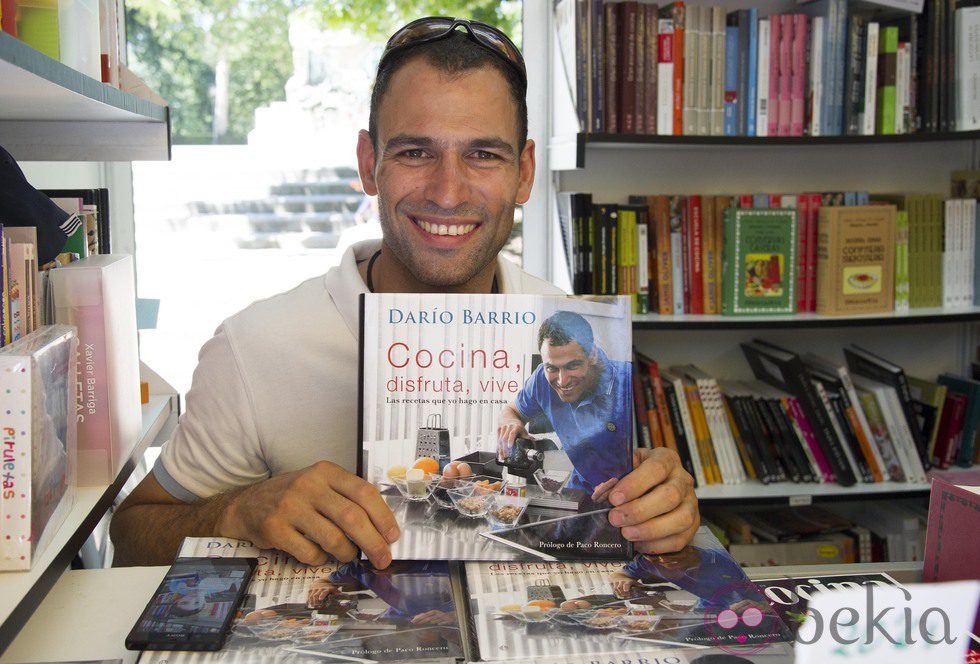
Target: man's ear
[(594, 355), (526, 175), (366, 162)]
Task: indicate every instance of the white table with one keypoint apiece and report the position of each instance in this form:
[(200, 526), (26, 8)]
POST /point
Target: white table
[(88, 613)]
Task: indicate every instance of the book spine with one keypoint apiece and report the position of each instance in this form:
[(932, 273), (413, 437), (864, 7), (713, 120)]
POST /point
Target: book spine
[(639, 70), (692, 43), (597, 64), (702, 81), (626, 56), (611, 66), (677, 397), (711, 245), (798, 74), (854, 79), (887, 54), (753, 66), (808, 451), (743, 70), (660, 399), (665, 77), (901, 70), (731, 80), (967, 68), (816, 448), (679, 17), (718, 64), (677, 278), (696, 254), (642, 269), (870, 113), (651, 67), (762, 81), (802, 219), (816, 99), (785, 75), (775, 42)]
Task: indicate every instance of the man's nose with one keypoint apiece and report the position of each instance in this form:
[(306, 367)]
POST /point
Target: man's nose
[(449, 184)]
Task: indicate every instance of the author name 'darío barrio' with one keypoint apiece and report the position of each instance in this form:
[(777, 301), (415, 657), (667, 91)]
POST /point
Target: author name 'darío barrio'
[(437, 316)]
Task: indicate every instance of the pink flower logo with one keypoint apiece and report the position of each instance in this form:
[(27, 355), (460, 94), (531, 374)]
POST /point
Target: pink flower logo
[(739, 618)]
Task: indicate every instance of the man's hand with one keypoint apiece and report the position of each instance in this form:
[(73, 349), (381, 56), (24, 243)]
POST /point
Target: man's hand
[(622, 584), (320, 591), (655, 504), (434, 617), (312, 514), (507, 433)]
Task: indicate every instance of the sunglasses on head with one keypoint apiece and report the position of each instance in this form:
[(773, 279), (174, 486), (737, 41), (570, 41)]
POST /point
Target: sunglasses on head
[(434, 28)]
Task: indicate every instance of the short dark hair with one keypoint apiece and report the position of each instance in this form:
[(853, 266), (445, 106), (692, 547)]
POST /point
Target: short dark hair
[(454, 55), (562, 327)]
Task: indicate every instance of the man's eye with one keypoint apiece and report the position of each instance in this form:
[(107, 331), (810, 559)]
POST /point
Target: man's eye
[(415, 153), (483, 155)]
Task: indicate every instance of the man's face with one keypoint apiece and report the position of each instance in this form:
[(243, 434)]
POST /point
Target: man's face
[(571, 372), (447, 171)]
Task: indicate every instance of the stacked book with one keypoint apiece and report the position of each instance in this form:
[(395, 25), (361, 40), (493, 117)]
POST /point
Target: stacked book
[(807, 419), (832, 68), (776, 253)]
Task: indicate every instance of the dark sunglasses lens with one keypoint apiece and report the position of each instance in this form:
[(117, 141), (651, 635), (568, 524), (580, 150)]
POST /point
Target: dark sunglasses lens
[(500, 44), (418, 31)]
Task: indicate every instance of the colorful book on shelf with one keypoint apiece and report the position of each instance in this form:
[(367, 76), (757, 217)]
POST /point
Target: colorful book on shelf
[(855, 260), (928, 401), (429, 370), (38, 397), (967, 451), (950, 429), (97, 296), (760, 251), (785, 370)]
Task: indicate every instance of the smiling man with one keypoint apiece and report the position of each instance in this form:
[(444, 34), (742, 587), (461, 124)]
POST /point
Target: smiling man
[(266, 449)]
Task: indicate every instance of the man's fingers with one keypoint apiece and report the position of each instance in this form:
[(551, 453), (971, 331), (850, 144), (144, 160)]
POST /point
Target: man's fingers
[(356, 525), (366, 496), (293, 542), (602, 491), (654, 467), (661, 500), (676, 521), (670, 543)]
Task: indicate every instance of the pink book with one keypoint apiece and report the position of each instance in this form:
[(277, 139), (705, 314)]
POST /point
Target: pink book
[(811, 440), (774, 32), (798, 74), (816, 200), (802, 216), (785, 74), (950, 553)]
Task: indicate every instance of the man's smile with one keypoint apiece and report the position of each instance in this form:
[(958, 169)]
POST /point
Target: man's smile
[(443, 226)]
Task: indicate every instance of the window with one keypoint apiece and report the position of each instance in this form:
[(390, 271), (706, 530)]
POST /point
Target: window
[(262, 192)]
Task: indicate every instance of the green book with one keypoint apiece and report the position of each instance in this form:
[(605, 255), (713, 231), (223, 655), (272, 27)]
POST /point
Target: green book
[(887, 76), (902, 261), (759, 261), (37, 26)]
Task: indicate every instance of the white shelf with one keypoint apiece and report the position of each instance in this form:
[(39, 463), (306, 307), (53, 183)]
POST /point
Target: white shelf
[(51, 112), (21, 592), (805, 492), (716, 321)]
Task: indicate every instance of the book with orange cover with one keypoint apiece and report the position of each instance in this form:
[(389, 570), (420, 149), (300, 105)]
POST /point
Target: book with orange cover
[(660, 217), (701, 434)]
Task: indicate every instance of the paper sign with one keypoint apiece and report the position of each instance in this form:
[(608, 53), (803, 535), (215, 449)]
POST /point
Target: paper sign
[(895, 625)]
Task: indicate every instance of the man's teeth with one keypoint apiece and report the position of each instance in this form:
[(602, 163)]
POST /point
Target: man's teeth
[(444, 229)]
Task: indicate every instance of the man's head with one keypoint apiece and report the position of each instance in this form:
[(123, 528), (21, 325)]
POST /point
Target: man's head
[(446, 154), (569, 355)]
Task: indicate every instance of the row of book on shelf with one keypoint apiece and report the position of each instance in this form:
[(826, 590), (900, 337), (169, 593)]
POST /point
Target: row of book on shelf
[(834, 253), (807, 419), (831, 68), (70, 398)]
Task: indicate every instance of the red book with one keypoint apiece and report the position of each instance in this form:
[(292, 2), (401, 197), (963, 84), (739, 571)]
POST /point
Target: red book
[(811, 251), (802, 240), (745, 201), (8, 23), (626, 54), (774, 40), (661, 401), (678, 14), (950, 429), (686, 253), (695, 253), (798, 74), (775, 200), (951, 532)]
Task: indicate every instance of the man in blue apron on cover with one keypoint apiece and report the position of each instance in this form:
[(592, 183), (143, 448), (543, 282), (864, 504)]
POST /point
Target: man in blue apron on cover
[(586, 398)]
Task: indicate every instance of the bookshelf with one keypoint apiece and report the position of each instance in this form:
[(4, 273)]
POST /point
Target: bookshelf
[(22, 592), (51, 112), (612, 167), (571, 152)]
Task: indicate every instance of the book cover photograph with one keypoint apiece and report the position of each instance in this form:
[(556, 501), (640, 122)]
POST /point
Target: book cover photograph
[(495, 426), (521, 610), (296, 613)]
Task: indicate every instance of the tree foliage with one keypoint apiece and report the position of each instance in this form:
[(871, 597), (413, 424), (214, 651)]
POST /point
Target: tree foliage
[(175, 46)]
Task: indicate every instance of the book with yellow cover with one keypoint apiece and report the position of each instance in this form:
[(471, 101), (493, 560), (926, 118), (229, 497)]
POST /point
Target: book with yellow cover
[(856, 260)]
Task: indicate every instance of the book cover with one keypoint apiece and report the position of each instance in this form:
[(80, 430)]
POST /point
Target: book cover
[(856, 260), (97, 296), (562, 610), (731, 77), (887, 72), (950, 428), (971, 420), (775, 74), (798, 74), (37, 397), (328, 613), (762, 80), (665, 77), (718, 64), (493, 425), (759, 261)]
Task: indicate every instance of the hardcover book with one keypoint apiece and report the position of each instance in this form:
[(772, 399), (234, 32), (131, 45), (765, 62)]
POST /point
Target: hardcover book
[(37, 395), (559, 610), (328, 613), (759, 261), (495, 426), (856, 260), (97, 295)]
